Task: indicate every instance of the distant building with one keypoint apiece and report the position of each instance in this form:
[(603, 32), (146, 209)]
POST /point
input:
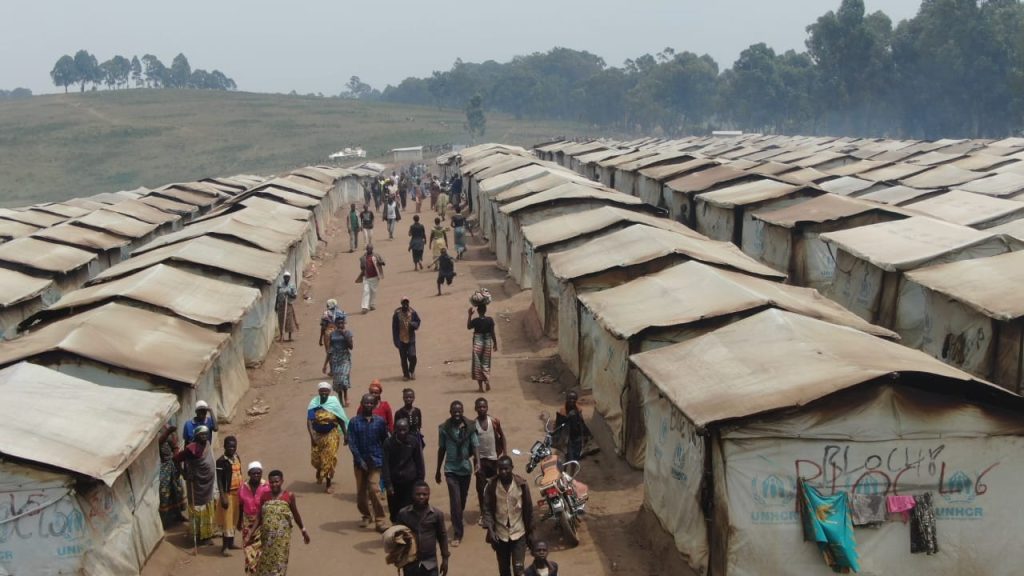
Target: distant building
[(411, 154)]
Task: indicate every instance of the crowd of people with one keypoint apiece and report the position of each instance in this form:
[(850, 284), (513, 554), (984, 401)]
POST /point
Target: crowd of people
[(216, 498)]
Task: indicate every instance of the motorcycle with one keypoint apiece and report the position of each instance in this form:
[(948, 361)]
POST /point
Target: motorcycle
[(563, 497)]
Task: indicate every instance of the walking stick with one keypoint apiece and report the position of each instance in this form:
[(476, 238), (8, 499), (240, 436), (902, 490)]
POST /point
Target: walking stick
[(190, 494)]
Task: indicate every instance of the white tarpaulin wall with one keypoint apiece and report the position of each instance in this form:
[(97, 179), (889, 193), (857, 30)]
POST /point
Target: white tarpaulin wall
[(946, 329), (604, 363), (108, 531), (907, 442), (673, 472)]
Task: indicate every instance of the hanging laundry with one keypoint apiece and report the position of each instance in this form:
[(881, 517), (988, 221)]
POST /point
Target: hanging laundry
[(922, 526), (867, 509), (900, 504), (826, 521)]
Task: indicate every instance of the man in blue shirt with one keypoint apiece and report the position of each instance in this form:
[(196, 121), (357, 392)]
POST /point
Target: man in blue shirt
[(366, 436), (457, 450)]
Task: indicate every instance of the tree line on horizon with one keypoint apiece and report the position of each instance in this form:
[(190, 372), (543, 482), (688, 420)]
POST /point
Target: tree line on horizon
[(120, 72), (956, 69)]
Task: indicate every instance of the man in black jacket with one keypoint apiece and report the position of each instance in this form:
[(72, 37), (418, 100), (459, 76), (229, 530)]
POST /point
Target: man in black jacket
[(427, 523), (403, 467), (508, 516)]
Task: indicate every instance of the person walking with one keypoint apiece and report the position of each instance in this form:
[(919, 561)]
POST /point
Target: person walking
[(371, 270), (404, 324), (366, 435), (285, 306), (229, 480), (445, 269), (402, 467), (392, 214), (438, 239), (328, 322), (326, 423), (457, 453), (459, 230), (428, 527), (381, 407), (442, 205), (492, 445), (353, 227), (249, 494), (366, 224), (278, 510), (340, 344), (485, 341), (201, 486), (411, 413), (417, 241), (508, 518), (541, 566), (418, 195)]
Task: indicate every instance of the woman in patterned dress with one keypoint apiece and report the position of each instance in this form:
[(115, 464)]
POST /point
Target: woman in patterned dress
[(339, 358), (249, 495), (278, 511)]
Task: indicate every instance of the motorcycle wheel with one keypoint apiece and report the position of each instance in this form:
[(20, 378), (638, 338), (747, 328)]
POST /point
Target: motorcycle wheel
[(570, 527)]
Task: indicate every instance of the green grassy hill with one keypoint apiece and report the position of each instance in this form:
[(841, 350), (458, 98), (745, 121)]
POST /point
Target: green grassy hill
[(67, 145)]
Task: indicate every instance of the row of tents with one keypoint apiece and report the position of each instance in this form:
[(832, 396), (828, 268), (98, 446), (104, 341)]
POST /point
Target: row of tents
[(116, 326), (724, 376)]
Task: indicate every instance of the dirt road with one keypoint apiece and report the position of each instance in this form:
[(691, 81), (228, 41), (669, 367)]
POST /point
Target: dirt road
[(611, 544)]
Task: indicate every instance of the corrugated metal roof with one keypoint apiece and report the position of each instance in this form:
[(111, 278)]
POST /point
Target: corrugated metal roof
[(776, 360), (752, 192), (568, 226), (125, 337), (1001, 185), (857, 168), (192, 296), (892, 172), (82, 237), (92, 430), (846, 186), (906, 244), (143, 212), (979, 162), (572, 191), (638, 243), (261, 236), (44, 256), (896, 195), (116, 223), (16, 287), (934, 158), (990, 285), (666, 171), (770, 168), (967, 209), (824, 208), (705, 179), (944, 176), (205, 251), (693, 292)]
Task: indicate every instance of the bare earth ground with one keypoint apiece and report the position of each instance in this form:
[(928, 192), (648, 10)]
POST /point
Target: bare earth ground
[(612, 542)]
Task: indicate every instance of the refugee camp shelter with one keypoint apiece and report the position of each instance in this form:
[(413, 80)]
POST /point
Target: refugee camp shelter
[(970, 209), (968, 314), (673, 305), (779, 397), (871, 260), (21, 296), (680, 193), (619, 257), (569, 230), (787, 239), (123, 346), (79, 470), (67, 266), (724, 214), (229, 262)]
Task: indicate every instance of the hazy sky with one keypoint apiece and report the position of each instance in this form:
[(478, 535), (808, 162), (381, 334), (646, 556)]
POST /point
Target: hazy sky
[(316, 45)]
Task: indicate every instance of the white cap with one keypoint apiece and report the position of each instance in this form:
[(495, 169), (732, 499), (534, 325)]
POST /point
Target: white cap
[(323, 386), (254, 465), (202, 404), (287, 273)]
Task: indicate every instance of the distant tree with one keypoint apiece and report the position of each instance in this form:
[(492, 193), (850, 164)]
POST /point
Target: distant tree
[(137, 71), (181, 72), (64, 72), (476, 122), (358, 89), (156, 72), (16, 94), (87, 69), (221, 82)]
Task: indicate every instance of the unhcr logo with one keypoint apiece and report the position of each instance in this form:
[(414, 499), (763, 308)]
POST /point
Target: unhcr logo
[(959, 489), (774, 497)]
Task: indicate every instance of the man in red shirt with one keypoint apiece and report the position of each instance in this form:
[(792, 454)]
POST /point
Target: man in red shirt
[(371, 270)]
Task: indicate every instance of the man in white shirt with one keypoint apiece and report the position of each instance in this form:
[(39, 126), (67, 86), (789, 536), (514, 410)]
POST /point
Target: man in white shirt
[(391, 215)]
